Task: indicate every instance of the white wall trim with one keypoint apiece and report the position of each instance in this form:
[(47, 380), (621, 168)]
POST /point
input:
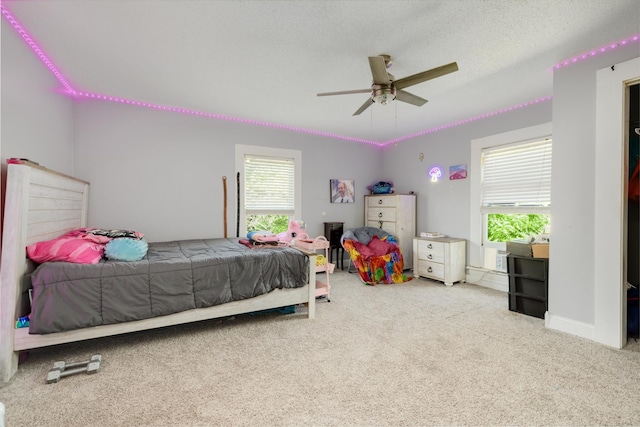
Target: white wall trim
[(488, 279), (569, 326), (610, 325)]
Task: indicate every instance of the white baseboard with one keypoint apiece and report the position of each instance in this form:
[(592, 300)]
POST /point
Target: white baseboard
[(500, 281), (488, 278), (569, 326)]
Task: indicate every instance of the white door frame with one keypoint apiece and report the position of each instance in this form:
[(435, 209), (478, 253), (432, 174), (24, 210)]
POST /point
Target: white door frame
[(610, 323)]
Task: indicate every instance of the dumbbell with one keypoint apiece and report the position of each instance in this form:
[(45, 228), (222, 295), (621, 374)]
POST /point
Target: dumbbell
[(62, 369)]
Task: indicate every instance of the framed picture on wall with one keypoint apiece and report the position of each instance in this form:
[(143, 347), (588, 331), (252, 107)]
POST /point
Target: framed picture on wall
[(458, 172), (342, 190)]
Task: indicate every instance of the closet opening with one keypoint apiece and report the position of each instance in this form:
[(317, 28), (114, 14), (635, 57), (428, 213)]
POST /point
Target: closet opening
[(633, 212)]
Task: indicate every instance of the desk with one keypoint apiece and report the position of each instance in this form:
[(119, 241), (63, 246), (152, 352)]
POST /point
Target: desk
[(333, 231)]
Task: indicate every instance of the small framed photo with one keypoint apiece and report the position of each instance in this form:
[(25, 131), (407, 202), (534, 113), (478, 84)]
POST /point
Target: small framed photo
[(342, 191), (458, 172)]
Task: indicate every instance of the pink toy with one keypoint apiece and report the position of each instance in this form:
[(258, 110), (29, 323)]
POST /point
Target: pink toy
[(295, 231)]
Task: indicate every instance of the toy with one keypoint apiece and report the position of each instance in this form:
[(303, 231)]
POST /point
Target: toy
[(295, 231), (381, 187)]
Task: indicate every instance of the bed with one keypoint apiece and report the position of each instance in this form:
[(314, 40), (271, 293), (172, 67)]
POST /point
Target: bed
[(41, 204)]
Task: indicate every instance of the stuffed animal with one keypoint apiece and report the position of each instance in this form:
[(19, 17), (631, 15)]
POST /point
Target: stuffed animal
[(295, 231)]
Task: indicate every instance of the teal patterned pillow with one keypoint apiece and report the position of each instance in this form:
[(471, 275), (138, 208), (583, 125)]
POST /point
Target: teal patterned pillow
[(126, 249)]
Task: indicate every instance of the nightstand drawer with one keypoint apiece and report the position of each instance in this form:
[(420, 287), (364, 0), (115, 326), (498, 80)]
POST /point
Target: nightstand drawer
[(432, 251), (431, 269)]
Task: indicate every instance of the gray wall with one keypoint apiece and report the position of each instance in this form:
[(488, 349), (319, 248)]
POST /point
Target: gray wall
[(571, 274), (37, 122), (161, 173)]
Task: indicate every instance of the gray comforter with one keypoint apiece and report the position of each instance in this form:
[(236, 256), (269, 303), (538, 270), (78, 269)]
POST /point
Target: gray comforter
[(173, 277)]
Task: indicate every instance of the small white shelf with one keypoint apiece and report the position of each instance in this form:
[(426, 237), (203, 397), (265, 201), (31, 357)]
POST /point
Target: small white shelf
[(320, 242)]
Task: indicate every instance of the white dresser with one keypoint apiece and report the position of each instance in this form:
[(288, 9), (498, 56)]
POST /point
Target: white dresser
[(440, 258), (395, 214)]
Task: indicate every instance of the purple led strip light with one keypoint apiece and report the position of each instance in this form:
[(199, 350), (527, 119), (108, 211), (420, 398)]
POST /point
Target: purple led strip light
[(70, 91), (465, 121), (89, 95), (33, 45), (632, 39)]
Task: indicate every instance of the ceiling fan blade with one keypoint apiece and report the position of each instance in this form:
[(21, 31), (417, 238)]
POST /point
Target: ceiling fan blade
[(379, 70), (345, 92), (410, 98), (364, 106), (425, 75)]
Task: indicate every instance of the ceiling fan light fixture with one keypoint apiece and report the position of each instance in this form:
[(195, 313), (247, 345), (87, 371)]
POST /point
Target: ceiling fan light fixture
[(383, 94)]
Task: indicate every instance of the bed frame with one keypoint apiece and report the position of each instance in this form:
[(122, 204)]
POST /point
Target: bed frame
[(41, 204)]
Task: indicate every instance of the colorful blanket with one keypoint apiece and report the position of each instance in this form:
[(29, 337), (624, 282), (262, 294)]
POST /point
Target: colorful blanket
[(379, 261)]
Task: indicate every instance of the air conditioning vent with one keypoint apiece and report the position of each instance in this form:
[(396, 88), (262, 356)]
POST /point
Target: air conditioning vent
[(501, 261)]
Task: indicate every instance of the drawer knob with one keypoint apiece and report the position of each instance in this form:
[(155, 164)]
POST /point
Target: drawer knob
[(380, 201), (379, 224), (430, 246), (429, 256), (430, 270), (379, 214)]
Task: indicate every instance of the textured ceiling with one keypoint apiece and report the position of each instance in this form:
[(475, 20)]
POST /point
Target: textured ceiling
[(266, 60)]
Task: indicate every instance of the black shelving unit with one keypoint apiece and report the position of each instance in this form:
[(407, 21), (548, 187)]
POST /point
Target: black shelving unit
[(528, 285)]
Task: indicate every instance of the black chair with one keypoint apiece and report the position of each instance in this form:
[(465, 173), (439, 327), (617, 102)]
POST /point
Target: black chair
[(333, 231)]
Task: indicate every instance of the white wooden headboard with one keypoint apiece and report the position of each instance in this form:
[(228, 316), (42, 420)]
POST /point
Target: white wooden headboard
[(40, 204)]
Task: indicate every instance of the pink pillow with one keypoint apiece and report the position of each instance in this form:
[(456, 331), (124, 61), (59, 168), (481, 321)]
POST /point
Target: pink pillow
[(73, 246)]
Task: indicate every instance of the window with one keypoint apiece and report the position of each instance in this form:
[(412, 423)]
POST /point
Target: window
[(269, 187), (510, 188), (516, 190)]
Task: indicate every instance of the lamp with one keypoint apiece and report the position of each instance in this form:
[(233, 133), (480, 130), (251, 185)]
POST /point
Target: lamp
[(383, 94)]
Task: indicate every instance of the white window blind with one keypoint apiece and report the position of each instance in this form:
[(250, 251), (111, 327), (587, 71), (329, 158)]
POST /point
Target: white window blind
[(517, 176), (269, 185)]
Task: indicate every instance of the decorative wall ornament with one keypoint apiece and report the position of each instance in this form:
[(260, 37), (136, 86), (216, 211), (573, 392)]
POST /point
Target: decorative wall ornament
[(435, 172), (458, 172), (342, 190)]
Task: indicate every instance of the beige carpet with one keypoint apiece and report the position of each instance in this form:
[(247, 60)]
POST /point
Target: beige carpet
[(413, 354)]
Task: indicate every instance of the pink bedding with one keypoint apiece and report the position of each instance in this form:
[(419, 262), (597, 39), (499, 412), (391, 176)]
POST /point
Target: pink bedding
[(81, 246), (75, 246)]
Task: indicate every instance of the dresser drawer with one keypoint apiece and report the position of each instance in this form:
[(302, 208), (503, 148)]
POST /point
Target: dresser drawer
[(381, 201), (431, 269), (431, 251), (389, 227), (381, 214)]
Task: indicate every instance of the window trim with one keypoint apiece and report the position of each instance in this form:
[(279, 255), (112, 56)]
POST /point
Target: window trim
[(477, 232), (241, 150)]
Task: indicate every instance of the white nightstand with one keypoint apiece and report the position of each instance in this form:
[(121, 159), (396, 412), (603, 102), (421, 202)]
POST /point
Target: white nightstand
[(440, 258)]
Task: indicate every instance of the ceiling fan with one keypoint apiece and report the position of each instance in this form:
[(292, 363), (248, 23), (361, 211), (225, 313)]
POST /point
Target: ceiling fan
[(385, 89)]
